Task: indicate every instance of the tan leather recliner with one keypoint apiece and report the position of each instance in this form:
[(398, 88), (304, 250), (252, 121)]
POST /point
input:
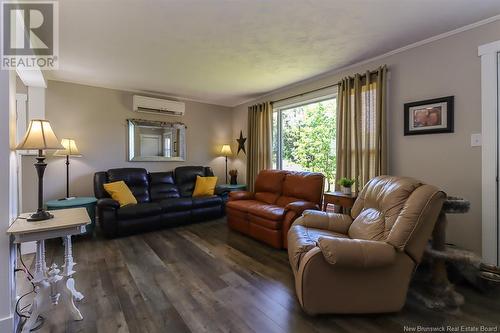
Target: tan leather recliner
[(363, 263)]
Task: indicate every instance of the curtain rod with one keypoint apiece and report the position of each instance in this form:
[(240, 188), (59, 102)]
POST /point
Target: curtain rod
[(318, 89), (305, 93)]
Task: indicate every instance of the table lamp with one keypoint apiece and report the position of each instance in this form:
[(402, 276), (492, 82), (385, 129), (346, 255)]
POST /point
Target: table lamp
[(70, 149), (226, 151), (39, 136)]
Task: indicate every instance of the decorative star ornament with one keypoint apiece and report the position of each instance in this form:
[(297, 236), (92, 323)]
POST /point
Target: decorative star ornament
[(241, 143)]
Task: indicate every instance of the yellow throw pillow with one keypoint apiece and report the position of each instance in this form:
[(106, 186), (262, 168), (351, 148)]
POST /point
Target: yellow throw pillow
[(205, 186), (120, 192)]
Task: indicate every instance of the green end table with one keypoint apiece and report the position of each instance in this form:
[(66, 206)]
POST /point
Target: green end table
[(224, 189), (87, 202)]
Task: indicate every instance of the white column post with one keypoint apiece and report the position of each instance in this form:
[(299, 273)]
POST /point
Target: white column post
[(490, 158), (8, 202)]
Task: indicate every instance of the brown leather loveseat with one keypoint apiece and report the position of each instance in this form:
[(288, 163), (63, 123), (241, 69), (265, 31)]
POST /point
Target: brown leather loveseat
[(280, 197), (363, 262)]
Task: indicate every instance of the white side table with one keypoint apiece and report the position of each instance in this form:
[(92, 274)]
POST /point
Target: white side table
[(52, 287)]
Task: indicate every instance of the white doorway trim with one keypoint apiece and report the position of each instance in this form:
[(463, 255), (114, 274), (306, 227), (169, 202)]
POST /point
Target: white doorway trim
[(489, 54), (21, 126)]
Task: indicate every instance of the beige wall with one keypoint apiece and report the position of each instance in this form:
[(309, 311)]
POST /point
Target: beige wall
[(445, 67), (96, 119)]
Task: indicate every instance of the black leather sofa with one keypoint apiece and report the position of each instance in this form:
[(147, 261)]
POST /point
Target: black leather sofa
[(163, 199)]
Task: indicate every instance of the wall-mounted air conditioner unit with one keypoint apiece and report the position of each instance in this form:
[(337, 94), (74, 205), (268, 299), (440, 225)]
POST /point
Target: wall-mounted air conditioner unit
[(158, 106)]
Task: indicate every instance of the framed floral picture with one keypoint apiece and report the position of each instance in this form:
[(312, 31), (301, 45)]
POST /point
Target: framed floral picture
[(429, 116)]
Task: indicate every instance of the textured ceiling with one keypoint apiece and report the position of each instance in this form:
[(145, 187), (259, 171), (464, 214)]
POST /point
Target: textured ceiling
[(228, 51)]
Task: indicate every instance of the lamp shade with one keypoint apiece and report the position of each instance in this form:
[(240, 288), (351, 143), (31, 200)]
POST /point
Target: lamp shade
[(226, 150), (70, 149), (39, 136)]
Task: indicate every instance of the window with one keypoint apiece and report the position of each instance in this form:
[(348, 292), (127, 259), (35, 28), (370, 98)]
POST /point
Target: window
[(167, 145), (304, 135)]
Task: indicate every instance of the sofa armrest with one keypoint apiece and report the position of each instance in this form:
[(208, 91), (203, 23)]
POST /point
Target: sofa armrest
[(356, 253), (108, 203), (339, 223), (240, 195), (300, 206), (106, 216)]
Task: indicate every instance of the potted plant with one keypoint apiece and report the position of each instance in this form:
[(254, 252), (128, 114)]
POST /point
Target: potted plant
[(346, 184), (234, 175)]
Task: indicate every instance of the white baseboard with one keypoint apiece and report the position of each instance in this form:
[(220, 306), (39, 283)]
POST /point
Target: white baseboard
[(7, 324), (28, 247)]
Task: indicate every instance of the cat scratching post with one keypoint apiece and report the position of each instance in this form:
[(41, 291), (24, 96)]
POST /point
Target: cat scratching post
[(438, 292)]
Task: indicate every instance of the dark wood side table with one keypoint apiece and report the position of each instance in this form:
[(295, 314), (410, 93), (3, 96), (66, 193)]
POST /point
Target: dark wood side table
[(345, 201)]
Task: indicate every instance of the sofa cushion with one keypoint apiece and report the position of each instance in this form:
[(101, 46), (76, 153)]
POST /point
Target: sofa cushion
[(120, 192), (379, 205), (185, 178), (283, 201), (139, 224), (307, 186), (258, 208), (267, 197), (162, 186), (204, 186), (369, 225), (176, 204), (138, 211), (421, 208), (270, 212), (136, 179), (242, 205), (270, 181), (211, 201), (266, 223)]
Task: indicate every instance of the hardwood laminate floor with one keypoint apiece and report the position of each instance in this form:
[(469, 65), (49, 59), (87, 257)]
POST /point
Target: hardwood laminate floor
[(206, 278)]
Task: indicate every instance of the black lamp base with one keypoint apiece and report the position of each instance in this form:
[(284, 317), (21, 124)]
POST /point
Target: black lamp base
[(40, 215), (68, 198)]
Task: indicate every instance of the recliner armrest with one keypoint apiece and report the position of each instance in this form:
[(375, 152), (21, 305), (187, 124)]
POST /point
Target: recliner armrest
[(339, 223), (241, 195), (356, 253), (300, 206), (108, 203)]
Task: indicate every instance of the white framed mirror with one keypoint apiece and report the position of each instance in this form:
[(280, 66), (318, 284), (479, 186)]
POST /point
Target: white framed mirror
[(156, 141)]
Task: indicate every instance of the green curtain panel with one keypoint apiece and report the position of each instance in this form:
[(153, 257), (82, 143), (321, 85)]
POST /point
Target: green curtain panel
[(361, 126), (260, 117)]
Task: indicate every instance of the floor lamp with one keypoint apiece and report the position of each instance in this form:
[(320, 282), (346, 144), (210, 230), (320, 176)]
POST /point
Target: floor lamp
[(70, 149), (226, 151), (39, 136)]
